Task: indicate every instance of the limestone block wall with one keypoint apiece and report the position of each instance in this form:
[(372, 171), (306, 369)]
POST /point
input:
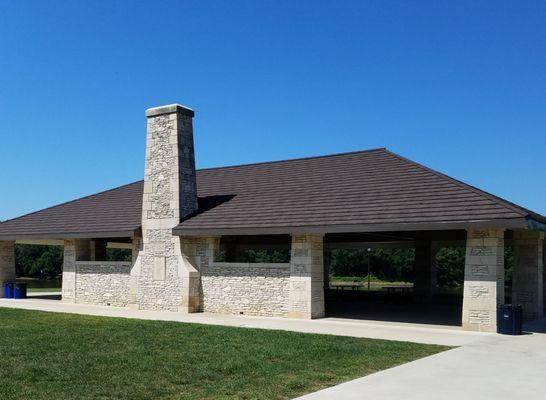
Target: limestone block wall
[(7, 262), (251, 289), (160, 286), (483, 280), (103, 283)]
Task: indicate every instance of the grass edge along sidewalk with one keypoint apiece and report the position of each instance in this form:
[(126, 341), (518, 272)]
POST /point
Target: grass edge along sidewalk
[(51, 355)]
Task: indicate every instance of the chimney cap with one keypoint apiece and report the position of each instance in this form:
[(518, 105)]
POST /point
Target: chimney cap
[(169, 109)]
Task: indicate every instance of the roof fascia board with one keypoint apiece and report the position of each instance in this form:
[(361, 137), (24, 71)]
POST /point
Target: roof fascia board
[(535, 225), (511, 223), (70, 235)]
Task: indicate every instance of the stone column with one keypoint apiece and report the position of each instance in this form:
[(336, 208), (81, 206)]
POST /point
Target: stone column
[(74, 250), (424, 271), (483, 279), (307, 277), (527, 278), (170, 194), (198, 253), (135, 271), (7, 263)]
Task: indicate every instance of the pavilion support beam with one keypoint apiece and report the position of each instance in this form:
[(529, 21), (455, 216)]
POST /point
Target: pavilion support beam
[(424, 270), (483, 279), (528, 274), (7, 263), (74, 250), (306, 298)]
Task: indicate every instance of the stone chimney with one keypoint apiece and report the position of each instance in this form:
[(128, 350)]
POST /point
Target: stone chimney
[(170, 190), (161, 279)]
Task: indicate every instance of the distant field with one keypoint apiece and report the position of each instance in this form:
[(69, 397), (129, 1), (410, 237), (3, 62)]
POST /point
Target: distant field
[(375, 284)]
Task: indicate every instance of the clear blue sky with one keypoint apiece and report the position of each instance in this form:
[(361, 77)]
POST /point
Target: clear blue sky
[(459, 86)]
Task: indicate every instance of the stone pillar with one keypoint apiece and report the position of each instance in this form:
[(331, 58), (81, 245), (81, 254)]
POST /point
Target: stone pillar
[(197, 253), (527, 278), (135, 271), (483, 279), (170, 194), (424, 271), (7, 263), (307, 277), (74, 250)]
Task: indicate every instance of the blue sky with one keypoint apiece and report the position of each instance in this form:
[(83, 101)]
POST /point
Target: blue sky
[(459, 86)]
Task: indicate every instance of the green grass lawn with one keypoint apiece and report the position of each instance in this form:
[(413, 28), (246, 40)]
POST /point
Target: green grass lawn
[(62, 356), (375, 283)]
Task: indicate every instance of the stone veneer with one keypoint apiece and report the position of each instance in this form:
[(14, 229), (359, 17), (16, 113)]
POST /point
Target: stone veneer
[(161, 278), (306, 298), (74, 250), (244, 288), (7, 263), (483, 279), (234, 288), (102, 282), (528, 273)]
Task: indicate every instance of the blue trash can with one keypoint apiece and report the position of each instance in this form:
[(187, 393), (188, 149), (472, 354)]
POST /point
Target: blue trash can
[(8, 290), (20, 291)]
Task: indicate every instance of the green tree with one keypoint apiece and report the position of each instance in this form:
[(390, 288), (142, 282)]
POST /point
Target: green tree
[(387, 264), (44, 262)]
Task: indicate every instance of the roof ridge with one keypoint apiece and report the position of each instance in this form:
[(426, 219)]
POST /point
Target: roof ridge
[(70, 201), (297, 159), (514, 207)]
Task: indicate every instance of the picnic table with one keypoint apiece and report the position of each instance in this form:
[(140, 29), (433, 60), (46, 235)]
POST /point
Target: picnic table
[(346, 286), (397, 289)]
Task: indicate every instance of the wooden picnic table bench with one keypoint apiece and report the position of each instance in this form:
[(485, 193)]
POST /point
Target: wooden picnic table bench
[(397, 289), (343, 287)]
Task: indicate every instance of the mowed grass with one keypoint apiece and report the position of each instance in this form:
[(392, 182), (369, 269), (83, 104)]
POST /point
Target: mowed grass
[(62, 356)]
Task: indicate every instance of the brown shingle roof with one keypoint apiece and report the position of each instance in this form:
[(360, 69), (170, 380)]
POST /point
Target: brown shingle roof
[(362, 191), (113, 213)]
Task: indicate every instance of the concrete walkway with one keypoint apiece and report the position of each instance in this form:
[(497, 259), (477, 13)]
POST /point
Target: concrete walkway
[(498, 367), (449, 336)]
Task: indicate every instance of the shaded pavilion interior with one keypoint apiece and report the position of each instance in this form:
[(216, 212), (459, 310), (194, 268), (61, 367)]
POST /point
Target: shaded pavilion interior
[(421, 303)]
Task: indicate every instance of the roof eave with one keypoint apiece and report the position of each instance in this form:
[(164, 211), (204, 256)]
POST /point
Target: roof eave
[(71, 235), (536, 225), (510, 223)]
